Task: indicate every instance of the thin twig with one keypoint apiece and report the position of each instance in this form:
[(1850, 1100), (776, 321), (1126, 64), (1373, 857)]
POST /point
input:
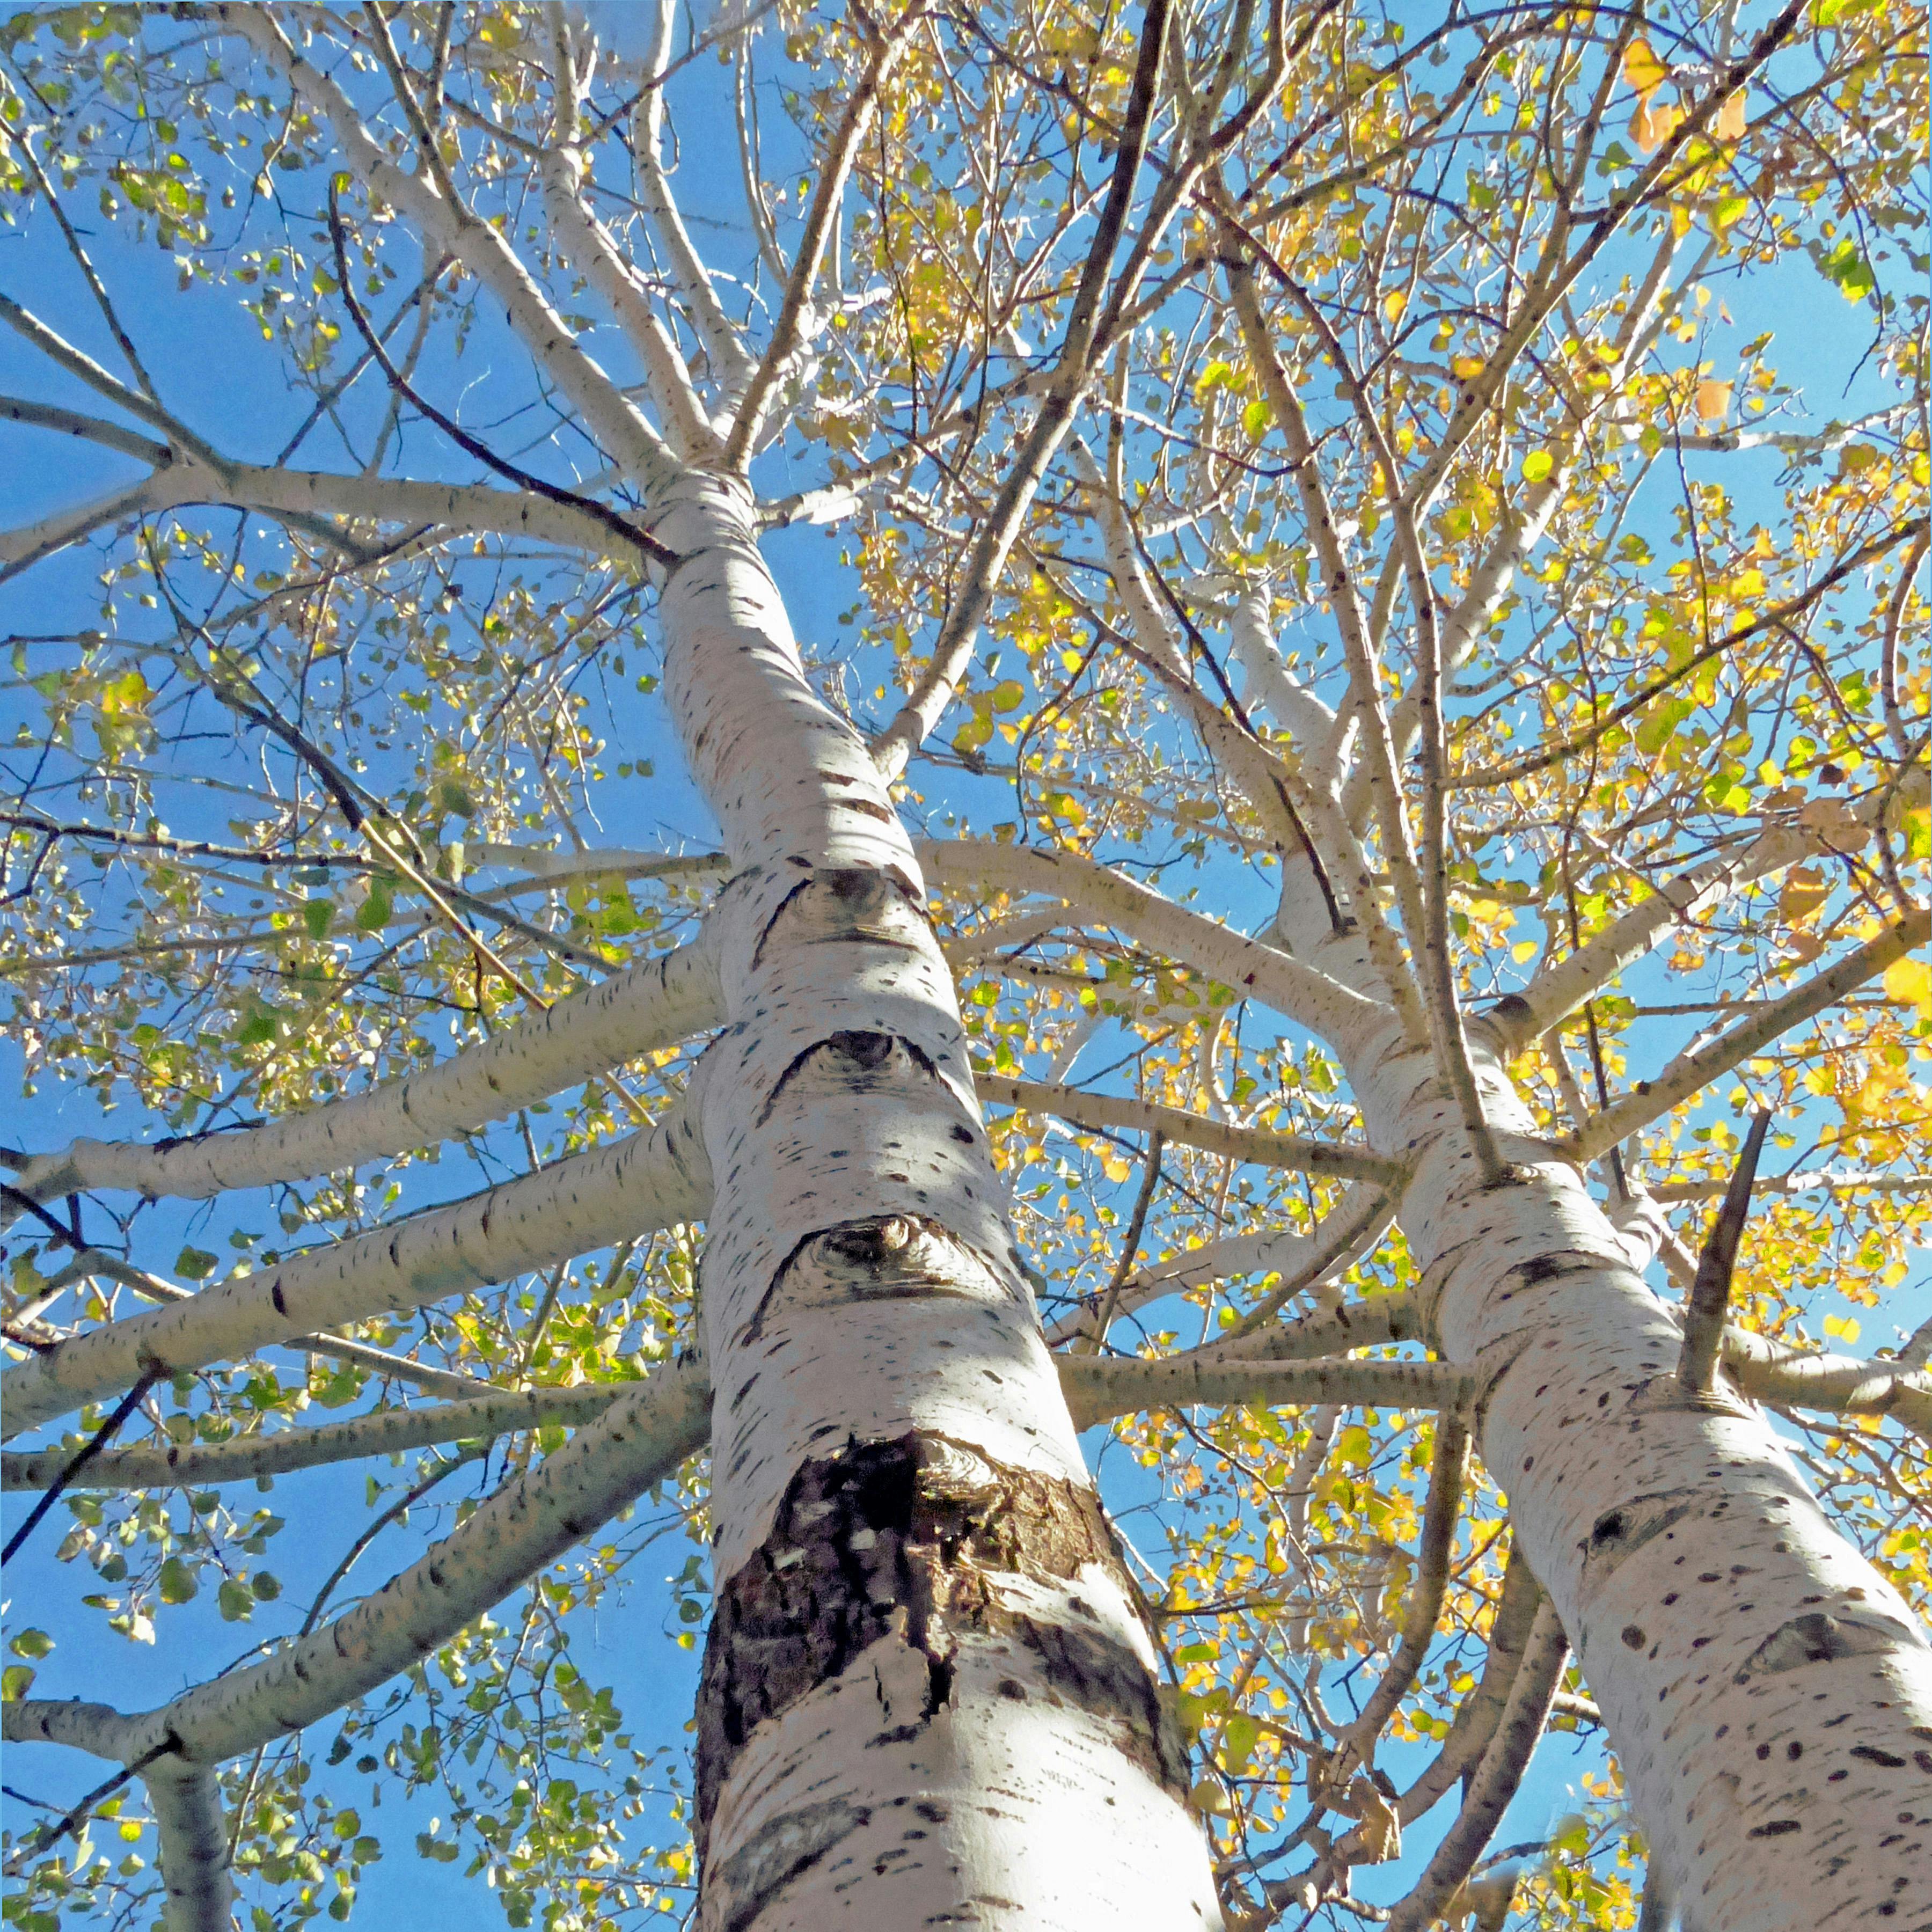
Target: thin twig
[(97, 1442), (1130, 1242)]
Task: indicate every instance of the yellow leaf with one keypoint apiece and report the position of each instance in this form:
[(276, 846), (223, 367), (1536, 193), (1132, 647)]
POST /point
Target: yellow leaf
[(1643, 69), (1393, 304), (1714, 399), (1469, 367), (1729, 124), (1804, 892), (1909, 982), (1842, 1327), (1208, 1796), (1653, 124)]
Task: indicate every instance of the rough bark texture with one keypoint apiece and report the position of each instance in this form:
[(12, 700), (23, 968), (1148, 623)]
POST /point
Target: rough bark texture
[(907, 1558), (929, 1698)]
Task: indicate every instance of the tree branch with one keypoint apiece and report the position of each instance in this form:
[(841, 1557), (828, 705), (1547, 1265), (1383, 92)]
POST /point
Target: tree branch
[(1709, 1299), (821, 219), (1497, 1778), (1098, 1387), (1256, 1145), (980, 575), (587, 1201), (527, 1524), (1307, 996), (660, 1003), (1691, 1071), (382, 1432)]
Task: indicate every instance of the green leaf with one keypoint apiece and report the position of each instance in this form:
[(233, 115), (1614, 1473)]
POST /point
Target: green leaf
[(378, 908), (33, 1643), (194, 1263), (179, 1584), (16, 1680), (318, 915)]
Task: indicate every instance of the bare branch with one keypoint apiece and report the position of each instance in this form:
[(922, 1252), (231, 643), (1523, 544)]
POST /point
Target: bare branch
[(382, 1432), (821, 220), (980, 575), (1254, 1144), (1710, 1294), (1497, 1778), (1100, 1387)]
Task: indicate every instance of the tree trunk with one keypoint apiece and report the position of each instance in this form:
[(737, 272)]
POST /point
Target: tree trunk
[(928, 1696), (1767, 1694)]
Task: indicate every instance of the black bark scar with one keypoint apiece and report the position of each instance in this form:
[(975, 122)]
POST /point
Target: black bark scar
[(907, 1539)]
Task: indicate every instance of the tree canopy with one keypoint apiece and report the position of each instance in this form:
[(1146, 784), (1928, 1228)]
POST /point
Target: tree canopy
[(1478, 454)]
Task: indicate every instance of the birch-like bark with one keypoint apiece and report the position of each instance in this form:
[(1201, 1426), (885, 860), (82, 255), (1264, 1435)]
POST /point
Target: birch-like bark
[(1104, 897), (382, 1432), (919, 1602), (1558, 990), (658, 1004), (1099, 1387), (648, 1181), (619, 426), (1258, 1146), (186, 1804), (528, 1523), (1304, 1261), (1766, 1689)]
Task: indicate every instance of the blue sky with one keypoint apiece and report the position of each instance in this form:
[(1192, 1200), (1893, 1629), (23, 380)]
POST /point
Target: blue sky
[(215, 372)]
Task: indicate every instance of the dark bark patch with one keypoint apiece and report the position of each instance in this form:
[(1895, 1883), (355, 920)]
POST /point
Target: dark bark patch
[(1620, 1532), (795, 1842), (1817, 1637), (882, 1258), (906, 1540), (855, 1063)]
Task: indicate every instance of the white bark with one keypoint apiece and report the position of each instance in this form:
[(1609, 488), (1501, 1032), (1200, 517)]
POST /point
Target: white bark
[(1765, 1688), (648, 1181), (620, 429), (1690, 1072), (1714, 1610), (587, 243), (186, 1803), (381, 1431), (92, 1262), (1304, 1261), (657, 1004), (528, 1523), (1102, 896), (866, 1312), (1558, 990), (1256, 1146), (1099, 1387)]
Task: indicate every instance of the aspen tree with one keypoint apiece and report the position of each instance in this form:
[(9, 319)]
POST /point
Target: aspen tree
[(1370, 733)]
